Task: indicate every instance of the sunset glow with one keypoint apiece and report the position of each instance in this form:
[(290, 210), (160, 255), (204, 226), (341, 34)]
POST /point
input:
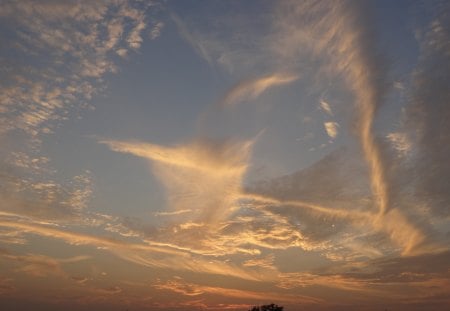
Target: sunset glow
[(219, 155)]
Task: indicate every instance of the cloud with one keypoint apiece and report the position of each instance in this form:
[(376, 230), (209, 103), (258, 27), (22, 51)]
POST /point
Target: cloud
[(252, 89), (191, 289), (192, 38), (79, 39), (41, 265), (6, 286), (292, 280), (46, 200), (156, 31), (428, 112), (401, 143), (326, 107), (204, 174), (393, 248), (331, 129), (229, 41), (395, 280), (180, 287), (343, 41), (113, 290), (329, 202), (267, 262), (55, 60), (144, 254), (173, 213), (12, 237)]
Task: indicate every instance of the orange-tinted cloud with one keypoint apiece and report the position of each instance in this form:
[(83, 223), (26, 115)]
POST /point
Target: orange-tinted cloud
[(252, 89), (206, 175)]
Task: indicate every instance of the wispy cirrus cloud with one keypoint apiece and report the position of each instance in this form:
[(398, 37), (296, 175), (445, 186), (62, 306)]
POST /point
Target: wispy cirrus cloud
[(427, 113), (204, 174), (191, 289), (343, 38), (192, 38), (146, 253), (252, 89)]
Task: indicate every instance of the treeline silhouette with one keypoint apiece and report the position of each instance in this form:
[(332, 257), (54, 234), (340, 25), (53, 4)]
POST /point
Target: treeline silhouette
[(271, 307)]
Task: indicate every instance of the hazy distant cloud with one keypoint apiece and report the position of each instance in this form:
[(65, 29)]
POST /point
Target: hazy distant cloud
[(252, 89), (195, 41), (156, 31), (229, 40), (40, 265), (6, 286)]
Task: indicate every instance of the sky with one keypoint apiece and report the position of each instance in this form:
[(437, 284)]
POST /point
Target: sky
[(215, 155)]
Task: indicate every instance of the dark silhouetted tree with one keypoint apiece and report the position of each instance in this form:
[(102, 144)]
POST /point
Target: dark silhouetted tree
[(271, 307)]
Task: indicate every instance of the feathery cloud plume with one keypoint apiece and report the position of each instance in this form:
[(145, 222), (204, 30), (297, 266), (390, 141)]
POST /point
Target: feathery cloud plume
[(252, 89), (204, 175)]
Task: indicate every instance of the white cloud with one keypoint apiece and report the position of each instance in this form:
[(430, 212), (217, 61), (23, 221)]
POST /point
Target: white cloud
[(331, 128), (326, 107)]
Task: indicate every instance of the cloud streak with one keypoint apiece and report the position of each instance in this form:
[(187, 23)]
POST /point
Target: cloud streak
[(248, 90), (41, 265), (191, 289), (342, 36), (144, 254)]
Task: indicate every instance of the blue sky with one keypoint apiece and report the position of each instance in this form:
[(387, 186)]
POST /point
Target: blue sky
[(222, 154)]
